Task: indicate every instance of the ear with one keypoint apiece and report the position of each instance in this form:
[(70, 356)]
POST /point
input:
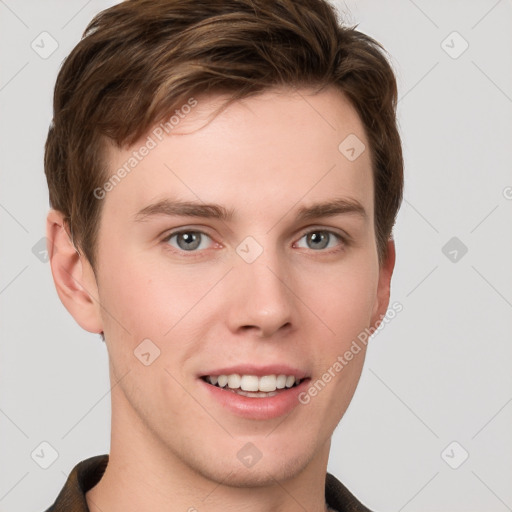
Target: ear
[(384, 285), (73, 275)]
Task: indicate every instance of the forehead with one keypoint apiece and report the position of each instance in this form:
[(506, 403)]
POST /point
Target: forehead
[(275, 149)]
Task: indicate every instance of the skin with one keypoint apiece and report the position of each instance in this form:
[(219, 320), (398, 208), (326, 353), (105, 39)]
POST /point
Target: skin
[(172, 447)]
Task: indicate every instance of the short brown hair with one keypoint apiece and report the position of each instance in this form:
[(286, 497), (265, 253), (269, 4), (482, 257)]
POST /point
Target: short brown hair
[(139, 60)]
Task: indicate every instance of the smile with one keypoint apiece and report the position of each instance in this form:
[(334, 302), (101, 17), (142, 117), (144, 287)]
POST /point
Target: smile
[(252, 385)]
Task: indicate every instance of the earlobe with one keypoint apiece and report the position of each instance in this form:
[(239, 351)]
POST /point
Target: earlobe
[(384, 285), (72, 274)]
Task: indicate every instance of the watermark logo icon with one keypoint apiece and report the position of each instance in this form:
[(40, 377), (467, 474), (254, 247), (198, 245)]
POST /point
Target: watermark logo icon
[(146, 352), (454, 45), (44, 45), (249, 249), (40, 250), (454, 249), (44, 455), (351, 147), (249, 455), (455, 455)]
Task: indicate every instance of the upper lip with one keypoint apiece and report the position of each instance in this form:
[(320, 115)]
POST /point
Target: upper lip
[(259, 371)]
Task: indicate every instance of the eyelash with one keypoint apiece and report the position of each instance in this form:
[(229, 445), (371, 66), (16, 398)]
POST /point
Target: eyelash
[(196, 253)]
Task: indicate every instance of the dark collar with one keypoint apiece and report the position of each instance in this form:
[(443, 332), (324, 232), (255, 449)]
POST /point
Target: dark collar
[(86, 474)]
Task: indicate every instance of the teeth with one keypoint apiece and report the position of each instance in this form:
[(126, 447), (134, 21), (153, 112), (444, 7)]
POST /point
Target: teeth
[(259, 394), (281, 381), (250, 383), (267, 383), (253, 383), (234, 381)]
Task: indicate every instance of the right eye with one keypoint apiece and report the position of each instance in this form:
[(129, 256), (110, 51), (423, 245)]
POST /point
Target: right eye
[(187, 240)]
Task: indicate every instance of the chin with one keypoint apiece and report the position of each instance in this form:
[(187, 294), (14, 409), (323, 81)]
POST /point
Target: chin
[(271, 467)]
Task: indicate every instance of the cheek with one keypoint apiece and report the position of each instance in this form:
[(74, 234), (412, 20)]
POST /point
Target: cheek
[(146, 298), (344, 300), (129, 298), (130, 301), (344, 304)]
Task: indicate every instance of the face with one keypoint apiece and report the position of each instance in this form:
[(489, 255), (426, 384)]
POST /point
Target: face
[(263, 282)]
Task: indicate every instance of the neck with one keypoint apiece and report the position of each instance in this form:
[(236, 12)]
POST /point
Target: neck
[(143, 474)]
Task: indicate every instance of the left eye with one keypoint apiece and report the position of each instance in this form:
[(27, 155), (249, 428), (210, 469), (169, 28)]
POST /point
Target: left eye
[(321, 239), (188, 240)]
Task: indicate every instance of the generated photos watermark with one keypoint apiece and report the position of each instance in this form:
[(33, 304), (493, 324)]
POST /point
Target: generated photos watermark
[(344, 359), (157, 135)]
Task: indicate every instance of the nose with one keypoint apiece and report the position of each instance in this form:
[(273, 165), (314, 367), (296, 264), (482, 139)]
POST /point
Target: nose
[(261, 298)]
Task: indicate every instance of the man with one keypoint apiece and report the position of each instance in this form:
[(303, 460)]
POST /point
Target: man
[(224, 178)]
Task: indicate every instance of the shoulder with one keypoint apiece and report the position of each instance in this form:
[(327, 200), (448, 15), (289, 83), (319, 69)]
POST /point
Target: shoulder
[(84, 476), (340, 498)]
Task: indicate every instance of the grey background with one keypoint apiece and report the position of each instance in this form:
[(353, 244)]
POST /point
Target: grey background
[(439, 372)]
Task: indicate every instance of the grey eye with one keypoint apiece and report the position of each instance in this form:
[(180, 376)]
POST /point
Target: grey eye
[(318, 239), (188, 240), (321, 239)]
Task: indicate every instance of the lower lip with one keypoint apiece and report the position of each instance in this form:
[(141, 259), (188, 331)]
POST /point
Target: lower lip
[(264, 408)]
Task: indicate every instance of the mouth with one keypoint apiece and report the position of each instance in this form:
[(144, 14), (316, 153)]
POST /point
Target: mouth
[(255, 392), (254, 386)]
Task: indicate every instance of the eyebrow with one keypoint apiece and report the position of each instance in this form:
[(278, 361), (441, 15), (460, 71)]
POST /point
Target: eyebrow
[(180, 208)]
